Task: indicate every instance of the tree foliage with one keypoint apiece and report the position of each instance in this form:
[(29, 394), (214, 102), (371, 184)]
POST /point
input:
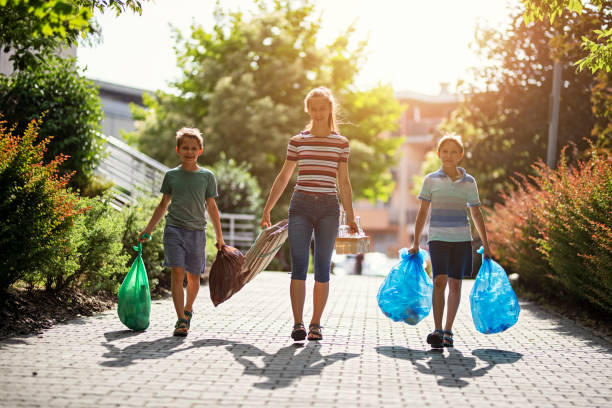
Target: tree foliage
[(599, 49), (505, 126), (33, 29), (243, 84), (72, 112)]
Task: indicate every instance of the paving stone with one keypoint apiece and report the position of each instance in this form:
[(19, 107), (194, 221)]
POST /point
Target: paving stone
[(240, 355)]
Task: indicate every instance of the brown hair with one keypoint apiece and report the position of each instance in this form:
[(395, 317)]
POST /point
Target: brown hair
[(324, 92), (451, 137), (186, 132)]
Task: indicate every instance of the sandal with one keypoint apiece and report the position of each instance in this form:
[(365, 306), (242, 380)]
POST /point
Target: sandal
[(188, 316), (436, 339), (181, 327), (314, 332), (448, 338), (299, 332)]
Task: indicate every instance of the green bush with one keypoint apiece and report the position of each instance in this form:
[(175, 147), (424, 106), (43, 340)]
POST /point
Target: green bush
[(91, 256), (555, 230), (72, 118), (36, 209), (238, 190)]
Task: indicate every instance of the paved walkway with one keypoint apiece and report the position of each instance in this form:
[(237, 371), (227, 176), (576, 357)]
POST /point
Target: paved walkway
[(240, 354)]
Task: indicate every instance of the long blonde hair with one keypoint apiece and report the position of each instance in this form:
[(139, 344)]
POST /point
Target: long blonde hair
[(324, 92)]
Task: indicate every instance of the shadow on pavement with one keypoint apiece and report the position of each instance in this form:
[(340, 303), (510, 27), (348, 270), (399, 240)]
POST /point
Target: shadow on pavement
[(147, 350), (286, 365), (454, 368), (567, 327)]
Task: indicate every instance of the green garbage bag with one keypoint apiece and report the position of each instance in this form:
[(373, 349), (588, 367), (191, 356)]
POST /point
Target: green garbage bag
[(134, 298)]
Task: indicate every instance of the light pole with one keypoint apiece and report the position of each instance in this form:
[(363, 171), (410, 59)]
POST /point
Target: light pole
[(553, 116)]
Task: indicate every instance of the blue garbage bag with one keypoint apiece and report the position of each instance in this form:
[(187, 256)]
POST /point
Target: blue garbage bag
[(494, 304), (405, 294)]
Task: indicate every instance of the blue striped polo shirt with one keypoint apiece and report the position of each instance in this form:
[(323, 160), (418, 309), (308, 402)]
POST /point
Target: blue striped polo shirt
[(449, 201)]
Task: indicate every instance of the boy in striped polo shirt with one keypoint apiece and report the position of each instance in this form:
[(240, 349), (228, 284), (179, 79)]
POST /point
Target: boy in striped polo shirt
[(448, 192)]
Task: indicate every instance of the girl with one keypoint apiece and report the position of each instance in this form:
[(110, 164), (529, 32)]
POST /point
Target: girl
[(448, 191), (322, 157)]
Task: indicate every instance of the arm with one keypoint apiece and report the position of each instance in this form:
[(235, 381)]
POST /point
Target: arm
[(213, 212), (346, 195), (419, 224), (277, 189), (159, 212), (480, 226)]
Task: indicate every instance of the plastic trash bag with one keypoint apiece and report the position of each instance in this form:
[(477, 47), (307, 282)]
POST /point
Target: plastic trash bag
[(224, 279), (494, 304), (134, 298), (405, 295)]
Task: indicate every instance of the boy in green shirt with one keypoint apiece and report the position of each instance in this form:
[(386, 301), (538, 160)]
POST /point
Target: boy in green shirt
[(188, 191)]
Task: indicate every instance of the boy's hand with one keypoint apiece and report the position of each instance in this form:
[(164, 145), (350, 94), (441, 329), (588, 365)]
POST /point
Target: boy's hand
[(220, 244), (142, 236), (265, 220), (414, 249)]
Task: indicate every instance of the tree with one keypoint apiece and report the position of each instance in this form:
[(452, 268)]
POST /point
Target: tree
[(244, 82), (34, 29), (599, 55), (72, 111), (505, 126)]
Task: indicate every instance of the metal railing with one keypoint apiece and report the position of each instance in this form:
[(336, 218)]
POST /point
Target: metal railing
[(135, 174)]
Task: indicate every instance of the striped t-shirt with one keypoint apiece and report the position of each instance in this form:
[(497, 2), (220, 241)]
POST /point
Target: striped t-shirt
[(318, 159), (449, 201)]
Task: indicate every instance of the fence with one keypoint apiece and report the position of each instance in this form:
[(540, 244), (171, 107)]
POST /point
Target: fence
[(135, 174)]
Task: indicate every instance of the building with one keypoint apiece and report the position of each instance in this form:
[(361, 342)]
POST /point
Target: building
[(116, 100), (391, 224)]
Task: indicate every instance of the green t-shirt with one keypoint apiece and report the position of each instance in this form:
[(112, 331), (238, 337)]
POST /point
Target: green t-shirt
[(189, 191)]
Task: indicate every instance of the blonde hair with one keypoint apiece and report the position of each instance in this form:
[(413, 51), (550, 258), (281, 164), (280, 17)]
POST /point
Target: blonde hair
[(451, 137), (323, 92), (187, 132)]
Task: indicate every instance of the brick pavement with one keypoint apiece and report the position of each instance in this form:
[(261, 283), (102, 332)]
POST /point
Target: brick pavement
[(240, 355)]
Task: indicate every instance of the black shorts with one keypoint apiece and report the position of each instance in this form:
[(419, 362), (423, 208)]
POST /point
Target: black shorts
[(451, 258)]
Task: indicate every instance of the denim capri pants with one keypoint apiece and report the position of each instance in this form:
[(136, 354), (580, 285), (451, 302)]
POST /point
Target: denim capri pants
[(451, 258), (312, 213), (185, 248)]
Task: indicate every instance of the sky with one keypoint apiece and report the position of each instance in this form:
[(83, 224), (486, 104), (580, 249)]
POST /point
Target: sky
[(412, 45)]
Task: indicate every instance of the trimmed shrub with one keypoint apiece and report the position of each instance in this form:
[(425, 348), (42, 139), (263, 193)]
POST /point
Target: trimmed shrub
[(555, 230), (36, 209)]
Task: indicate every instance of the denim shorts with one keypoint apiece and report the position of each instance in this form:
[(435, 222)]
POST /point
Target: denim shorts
[(451, 258), (310, 214), (185, 249)]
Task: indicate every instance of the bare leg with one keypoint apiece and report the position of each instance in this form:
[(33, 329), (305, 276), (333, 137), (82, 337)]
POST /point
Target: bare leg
[(178, 296), (193, 286), (319, 299), (297, 291), (454, 296), (438, 300)]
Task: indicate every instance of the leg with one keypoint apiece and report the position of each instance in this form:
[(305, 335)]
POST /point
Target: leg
[(460, 267), (178, 296), (297, 291), (193, 286), (300, 234), (325, 233), (454, 297), (438, 300)]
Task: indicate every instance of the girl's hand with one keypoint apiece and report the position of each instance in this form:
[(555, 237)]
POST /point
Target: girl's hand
[(265, 220), (486, 251), (414, 249), (353, 228)]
